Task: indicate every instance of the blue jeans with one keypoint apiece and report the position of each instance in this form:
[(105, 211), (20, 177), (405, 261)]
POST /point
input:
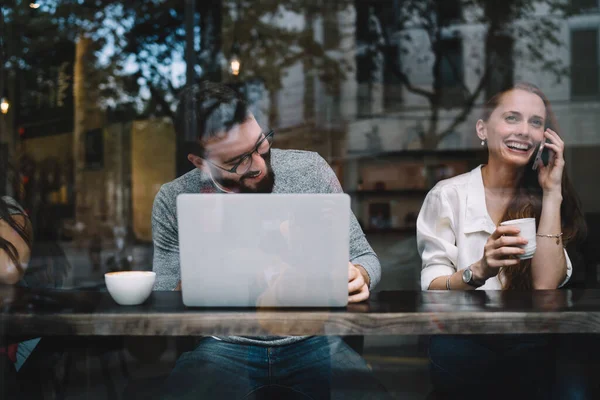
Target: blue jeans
[(319, 367)]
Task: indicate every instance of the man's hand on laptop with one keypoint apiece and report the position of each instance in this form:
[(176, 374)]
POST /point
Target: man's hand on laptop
[(358, 283)]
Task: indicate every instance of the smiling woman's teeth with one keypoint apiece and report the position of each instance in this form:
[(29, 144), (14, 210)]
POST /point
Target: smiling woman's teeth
[(518, 146)]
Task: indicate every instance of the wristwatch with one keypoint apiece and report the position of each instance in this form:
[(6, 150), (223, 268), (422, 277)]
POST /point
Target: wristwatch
[(469, 279)]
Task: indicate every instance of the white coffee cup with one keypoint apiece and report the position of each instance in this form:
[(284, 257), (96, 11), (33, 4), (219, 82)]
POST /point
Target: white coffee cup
[(130, 288), (528, 231)]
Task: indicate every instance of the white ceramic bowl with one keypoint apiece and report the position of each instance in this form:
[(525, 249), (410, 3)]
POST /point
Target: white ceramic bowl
[(130, 288)]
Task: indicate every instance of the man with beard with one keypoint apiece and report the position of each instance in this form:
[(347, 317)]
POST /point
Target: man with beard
[(234, 155)]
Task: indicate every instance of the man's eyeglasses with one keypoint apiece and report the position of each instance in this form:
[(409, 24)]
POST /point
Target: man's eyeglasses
[(243, 165)]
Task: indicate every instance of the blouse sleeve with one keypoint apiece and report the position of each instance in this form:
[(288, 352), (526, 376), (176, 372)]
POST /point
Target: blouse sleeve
[(569, 269), (436, 239)]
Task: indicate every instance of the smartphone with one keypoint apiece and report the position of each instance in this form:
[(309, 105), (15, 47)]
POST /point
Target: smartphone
[(542, 153)]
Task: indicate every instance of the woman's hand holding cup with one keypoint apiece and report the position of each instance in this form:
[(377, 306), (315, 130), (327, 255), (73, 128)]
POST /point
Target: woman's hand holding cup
[(502, 249)]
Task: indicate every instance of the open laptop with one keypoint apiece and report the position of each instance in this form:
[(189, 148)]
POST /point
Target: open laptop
[(264, 250)]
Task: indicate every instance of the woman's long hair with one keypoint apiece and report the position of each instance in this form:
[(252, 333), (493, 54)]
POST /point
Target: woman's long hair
[(6, 214), (527, 201)]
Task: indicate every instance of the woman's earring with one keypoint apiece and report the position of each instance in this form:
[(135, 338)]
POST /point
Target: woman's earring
[(483, 142)]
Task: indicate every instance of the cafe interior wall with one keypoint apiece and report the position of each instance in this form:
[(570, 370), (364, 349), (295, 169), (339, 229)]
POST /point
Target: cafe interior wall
[(104, 190), (153, 150), (59, 147), (102, 201), (139, 157)]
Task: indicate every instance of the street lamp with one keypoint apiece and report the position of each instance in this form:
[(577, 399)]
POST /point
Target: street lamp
[(4, 105), (235, 66), (34, 5), (234, 60)]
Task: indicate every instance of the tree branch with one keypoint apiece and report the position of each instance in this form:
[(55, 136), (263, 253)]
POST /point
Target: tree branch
[(401, 75), (468, 106), (157, 96)]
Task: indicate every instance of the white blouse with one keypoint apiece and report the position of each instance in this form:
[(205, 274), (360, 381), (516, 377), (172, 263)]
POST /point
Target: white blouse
[(453, 227)]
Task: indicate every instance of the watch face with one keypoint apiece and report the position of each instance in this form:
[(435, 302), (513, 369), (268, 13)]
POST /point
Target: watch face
[(467, 275)]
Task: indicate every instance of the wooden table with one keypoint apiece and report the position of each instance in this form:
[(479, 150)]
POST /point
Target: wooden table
[(43, 313)]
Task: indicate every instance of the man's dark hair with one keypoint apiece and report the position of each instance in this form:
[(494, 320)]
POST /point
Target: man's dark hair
[(211, 109)]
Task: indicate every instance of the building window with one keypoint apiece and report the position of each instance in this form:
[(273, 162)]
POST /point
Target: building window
[(499, 52), (451, 73), (584, 5), (584, 63), (376, 62), (392, 88), (331, 31), (449, 11), (451, 63), (94, 149)]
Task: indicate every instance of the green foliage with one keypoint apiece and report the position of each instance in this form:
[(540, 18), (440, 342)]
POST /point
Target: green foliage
[(534, 25), (267, 46), (137, 44)]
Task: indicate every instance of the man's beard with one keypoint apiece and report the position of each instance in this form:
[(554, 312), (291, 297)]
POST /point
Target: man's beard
[(265, 185)]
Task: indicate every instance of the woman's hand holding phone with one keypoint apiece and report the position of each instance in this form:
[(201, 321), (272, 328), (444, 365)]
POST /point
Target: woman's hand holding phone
[(550, 175), (541, 156)]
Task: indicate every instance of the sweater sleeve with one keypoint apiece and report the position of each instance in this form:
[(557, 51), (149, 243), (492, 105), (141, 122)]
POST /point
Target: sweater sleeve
[(166, 241), (360, 250)]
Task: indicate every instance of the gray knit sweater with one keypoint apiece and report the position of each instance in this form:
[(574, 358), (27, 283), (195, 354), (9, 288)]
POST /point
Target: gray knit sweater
[(295, 172)]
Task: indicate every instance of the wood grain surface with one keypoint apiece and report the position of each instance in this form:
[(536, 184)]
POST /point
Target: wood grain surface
[(31, 312)]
